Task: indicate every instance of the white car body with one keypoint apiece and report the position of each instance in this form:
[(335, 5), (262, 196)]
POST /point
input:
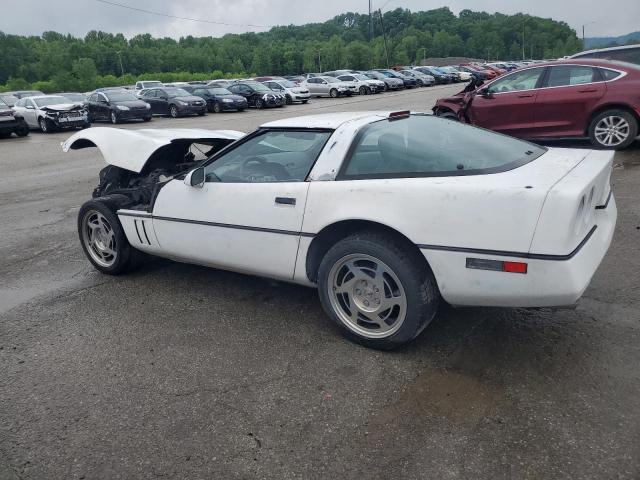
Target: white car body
[(144, 84), (293, 94), (365, 84), (60, 114), (556, 213), (322, 86)]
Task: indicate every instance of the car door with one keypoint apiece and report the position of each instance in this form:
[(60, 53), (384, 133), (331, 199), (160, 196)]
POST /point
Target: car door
[(28, 109), (506, 105), (563, 107), (149, 96), (103, 110), (247, 215), (162, 99)]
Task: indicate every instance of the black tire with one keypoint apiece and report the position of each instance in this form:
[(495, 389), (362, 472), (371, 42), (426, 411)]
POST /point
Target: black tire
[(173, 111), (259, 103), (201, 114), (22, 130), (45, 125), (386, 87), (632, 130), (85, 125), (126, 256), (289, 100), (333, 93), (113, 117), (5, 134), (146, 119), (217, 108), (363, 90), (305, 101), (410, 268)]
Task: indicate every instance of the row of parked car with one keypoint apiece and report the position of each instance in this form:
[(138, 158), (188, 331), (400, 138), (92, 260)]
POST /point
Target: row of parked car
[(30, 109)]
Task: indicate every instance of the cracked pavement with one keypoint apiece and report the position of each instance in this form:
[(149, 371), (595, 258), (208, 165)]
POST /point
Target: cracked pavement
[(178, 371)]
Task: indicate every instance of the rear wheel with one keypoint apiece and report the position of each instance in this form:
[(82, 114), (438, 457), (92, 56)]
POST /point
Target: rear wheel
[(379, 293), (613, 130), (103, 239)]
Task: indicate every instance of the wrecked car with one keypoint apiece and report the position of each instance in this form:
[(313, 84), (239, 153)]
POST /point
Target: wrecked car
[(596, 99), (382, 219), (11, 122), (50, 113)]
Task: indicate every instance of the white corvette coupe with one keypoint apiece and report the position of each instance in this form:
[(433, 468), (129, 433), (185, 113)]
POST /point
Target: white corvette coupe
[(385, 213)]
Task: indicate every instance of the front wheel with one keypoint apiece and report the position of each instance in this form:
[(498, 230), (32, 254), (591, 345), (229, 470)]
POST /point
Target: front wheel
[(448, 115), (147, 119), (363, 90), (613, 130), (103, 239), (114, 118), (217, 108), (289, 100), (173, 111), (259, 103), (333, 93), (305, 101), (378, 291), (45, 125)]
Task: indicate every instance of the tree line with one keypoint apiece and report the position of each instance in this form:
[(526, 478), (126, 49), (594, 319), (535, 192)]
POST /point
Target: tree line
[(58, 62)]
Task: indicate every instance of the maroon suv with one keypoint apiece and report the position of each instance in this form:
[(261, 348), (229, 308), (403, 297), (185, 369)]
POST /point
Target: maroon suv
[(599, 99)]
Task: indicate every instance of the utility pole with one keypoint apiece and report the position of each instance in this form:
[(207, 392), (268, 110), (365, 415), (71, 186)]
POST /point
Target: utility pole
[(370, 23), (584, 47), (319, 63), (523, 27), (121, 67), (384, 36)]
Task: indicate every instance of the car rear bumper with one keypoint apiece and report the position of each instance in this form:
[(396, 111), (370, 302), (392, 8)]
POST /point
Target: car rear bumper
[(556, 281)]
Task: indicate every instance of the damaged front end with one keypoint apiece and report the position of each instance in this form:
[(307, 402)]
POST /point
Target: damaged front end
[(458, 104), (63, 116), (141, 162)]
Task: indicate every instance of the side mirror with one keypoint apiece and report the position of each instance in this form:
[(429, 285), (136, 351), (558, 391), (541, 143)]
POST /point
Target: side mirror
[(485, 92), (195, 178)]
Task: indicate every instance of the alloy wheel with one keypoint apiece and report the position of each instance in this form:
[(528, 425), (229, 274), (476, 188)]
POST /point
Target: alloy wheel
[(99, 238), (367, 296), (612, 131), (173, 111), (43, 125)]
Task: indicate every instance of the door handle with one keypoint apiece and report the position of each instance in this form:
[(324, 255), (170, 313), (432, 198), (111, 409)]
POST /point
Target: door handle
[(525, 95), (588, 90), (285, 200)]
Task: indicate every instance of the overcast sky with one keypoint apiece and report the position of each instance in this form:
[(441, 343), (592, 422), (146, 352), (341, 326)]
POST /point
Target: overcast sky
[(32, 17)]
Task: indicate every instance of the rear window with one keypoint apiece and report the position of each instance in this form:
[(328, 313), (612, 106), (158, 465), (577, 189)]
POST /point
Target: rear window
[(567, 75), (423, 145), (609, 74)]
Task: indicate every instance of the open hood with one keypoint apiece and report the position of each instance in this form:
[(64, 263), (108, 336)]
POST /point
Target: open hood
[(131, 149)]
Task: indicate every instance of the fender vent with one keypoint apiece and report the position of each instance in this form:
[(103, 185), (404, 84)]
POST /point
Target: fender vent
[(141, 230)]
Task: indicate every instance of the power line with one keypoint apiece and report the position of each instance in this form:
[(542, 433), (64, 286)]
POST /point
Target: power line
[(160, 14)]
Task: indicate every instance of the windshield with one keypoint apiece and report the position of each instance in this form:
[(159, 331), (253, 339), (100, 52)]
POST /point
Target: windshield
[(286, 83), (43, 102), (219, 91), (362, 77), (400, 148), (74, 97), (9, 99), (151, 84), (386, 74), (121, 97), (176, 92), (2, 103), (258, 87)]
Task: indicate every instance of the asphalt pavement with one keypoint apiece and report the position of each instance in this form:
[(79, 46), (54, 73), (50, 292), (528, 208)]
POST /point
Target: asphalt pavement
[(183, 372)]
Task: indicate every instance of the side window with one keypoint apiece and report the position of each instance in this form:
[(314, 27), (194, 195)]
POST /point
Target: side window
[(312, 80), (102, 98), (609, 74), (397, 149), (271, 156), (524, 80), (348, 78), (199, 92), (567, 75), (19, 103), (93, 98)]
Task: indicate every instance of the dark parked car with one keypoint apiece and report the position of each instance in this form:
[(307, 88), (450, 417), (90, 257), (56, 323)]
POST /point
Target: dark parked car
[(257, 94), (219, 99), (406, 80), (479, 75), (440, 77), (624, 53), (174, 102), (116, 106), (11, 122), (571, 98)]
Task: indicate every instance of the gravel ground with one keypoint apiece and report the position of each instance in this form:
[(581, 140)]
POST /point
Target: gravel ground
[(178, 371)]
